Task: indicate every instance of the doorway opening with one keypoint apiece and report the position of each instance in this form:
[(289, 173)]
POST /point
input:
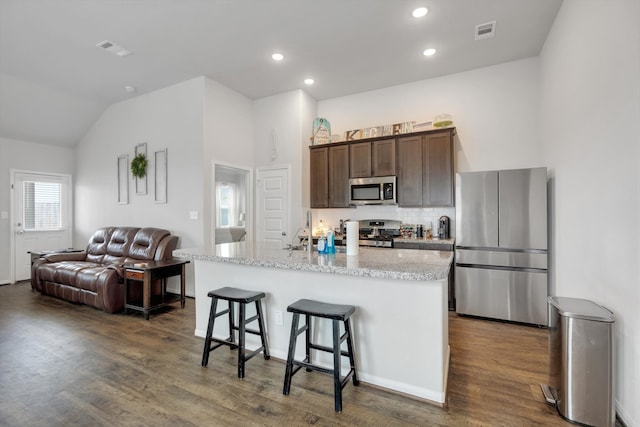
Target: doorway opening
[(232, 203)]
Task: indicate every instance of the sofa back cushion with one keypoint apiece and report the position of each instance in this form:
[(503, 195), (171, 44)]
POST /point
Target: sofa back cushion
[(97, 246), (119, 245), (146, 242)]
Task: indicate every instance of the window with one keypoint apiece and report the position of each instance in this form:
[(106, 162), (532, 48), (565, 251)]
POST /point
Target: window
[(42, 208), (226, 195)]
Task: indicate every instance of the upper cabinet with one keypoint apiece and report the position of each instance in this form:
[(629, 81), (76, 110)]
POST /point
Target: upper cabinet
[(319, 177), (423, 163), (375, 158), (426, 169), (329, 176)]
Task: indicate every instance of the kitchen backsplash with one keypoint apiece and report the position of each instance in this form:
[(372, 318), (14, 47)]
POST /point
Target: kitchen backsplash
[(425, 216)]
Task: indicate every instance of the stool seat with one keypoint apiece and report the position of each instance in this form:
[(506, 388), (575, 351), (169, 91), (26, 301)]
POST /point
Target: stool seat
[(322, 309), (241, 297), (337, 313), (236, 295)]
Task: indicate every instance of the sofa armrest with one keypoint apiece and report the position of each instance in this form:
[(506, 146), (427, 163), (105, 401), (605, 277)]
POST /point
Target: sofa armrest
[(66, 256), (166, 247)]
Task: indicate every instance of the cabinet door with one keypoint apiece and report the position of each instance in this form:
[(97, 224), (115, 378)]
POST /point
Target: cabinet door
[(438, 181), (410, 171), (319, 177), (360, 160), (339, 176), (383, 157)]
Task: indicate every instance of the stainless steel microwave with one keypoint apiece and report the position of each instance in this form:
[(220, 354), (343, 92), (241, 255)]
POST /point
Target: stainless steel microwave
[(380, 190)]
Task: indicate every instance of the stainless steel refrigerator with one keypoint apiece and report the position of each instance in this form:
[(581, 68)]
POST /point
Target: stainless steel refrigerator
[(501, 245)]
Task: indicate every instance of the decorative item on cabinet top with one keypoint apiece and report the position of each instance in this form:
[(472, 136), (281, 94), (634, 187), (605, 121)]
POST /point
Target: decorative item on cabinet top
[(321, 131), (396, 129)]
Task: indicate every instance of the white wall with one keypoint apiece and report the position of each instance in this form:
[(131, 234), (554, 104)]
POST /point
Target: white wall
[(495, 111), (228, 139), (30, 156), (169, 118), (288, 116), (590, 85)]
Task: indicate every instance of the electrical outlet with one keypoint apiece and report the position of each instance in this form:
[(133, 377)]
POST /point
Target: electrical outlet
[(279, 319)]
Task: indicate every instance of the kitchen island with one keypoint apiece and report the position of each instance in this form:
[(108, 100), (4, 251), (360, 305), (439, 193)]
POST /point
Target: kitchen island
[(400, 324)]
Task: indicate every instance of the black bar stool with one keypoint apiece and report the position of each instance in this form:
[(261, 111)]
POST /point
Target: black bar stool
[(337, 313), (242, 297)]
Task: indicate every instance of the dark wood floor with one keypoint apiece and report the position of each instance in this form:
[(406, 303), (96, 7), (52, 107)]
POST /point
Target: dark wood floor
[(64, 364)]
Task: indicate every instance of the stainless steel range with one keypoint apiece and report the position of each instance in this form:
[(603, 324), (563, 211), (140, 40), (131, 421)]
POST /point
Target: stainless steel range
[(378, 233)]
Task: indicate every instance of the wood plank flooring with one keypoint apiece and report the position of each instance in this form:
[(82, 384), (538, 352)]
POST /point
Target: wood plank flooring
[(65, 364)]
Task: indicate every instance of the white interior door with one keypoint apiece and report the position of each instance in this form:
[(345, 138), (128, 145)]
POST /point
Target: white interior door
[(41, 217), (272, 206)]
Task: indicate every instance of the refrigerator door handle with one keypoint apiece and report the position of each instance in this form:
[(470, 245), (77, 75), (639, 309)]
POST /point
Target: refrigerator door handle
[(504, 268)]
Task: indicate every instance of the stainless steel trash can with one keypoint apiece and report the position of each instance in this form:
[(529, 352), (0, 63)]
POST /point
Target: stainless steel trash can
[(581, 361)]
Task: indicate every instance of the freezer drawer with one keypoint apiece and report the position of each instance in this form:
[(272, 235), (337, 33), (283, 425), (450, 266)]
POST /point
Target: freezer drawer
[(516, 296), (502, 258)]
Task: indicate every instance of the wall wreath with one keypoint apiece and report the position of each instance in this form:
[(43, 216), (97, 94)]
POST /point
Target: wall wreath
[(139, 166)]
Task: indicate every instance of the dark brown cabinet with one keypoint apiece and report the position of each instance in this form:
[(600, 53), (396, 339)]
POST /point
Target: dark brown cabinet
[(425, 169), (339, 176), (383, 157), (360, 160), (329, 177), (422, 162), (376, 158), (319, 177)]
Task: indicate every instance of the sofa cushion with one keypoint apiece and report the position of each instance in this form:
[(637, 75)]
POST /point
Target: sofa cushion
[(146, 242), (119, 245), (97, 246)]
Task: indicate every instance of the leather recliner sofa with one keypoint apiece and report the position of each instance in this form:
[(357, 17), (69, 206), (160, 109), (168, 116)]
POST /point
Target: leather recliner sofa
[(95, 276)]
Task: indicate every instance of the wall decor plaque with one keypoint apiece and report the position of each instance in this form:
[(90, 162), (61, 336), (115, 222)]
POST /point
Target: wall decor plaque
[(321, 131)]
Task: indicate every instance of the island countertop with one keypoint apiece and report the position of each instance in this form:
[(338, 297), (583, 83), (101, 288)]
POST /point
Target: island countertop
[(403, 264)]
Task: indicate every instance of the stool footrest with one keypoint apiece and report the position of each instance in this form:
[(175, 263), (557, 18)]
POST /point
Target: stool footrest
[(344, 353), (222, 313), (249, 355), (221, 342)]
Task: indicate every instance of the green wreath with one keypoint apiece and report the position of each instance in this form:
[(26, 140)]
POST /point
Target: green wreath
[(139, 166)]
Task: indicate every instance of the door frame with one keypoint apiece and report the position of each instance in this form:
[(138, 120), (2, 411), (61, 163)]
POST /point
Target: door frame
[(13, 220), (286, 167), (249, 217)]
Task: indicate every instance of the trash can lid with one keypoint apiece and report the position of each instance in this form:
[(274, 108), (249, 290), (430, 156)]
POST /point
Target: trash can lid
[(581, 309)]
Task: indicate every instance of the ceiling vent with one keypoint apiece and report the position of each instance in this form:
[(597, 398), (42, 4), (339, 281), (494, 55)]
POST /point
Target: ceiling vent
[(484, 31), (113, 48)]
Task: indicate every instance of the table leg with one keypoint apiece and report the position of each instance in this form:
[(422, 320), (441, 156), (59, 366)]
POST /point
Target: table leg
[(146, 293), (182, 286)]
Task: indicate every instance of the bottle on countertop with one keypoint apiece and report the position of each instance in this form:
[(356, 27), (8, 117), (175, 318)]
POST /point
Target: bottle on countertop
[(331, 243), (322, 244)]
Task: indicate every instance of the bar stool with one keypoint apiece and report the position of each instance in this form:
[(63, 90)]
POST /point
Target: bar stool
[(337, 313), (242, 297)]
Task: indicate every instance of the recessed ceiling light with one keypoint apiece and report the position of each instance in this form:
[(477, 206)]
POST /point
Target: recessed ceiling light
[(309, 81), (277, 56), (420, 12), (429, 52)]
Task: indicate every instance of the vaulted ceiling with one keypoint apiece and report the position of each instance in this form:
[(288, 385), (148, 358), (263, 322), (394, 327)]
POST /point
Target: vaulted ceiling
[(55, 82)]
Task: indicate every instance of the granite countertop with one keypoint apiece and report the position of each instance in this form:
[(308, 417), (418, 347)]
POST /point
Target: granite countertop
[(403, 264), (433, 241)]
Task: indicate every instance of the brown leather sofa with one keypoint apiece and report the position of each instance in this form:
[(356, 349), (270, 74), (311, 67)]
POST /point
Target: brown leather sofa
[(95, 276)]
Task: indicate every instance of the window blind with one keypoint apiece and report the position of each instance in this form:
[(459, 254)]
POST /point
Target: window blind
[(42, 205)]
